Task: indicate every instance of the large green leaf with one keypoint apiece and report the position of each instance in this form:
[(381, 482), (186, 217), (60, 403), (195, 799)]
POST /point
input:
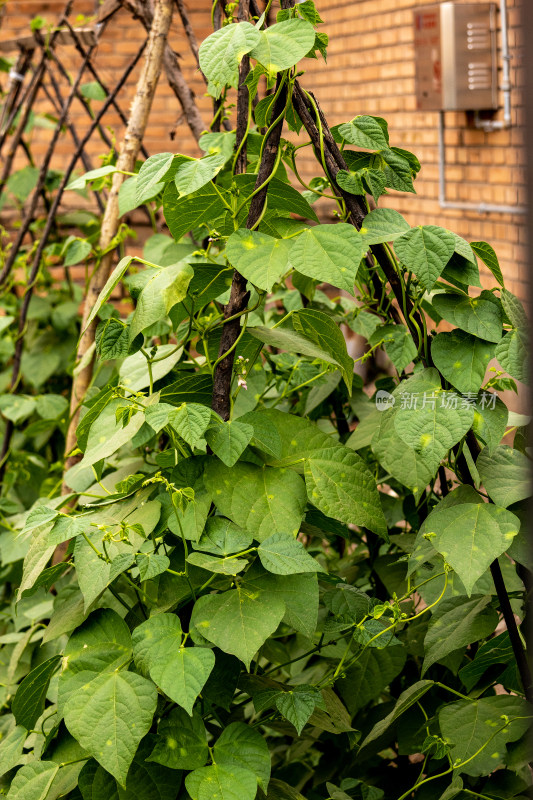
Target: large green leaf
[(425, 250), (190, 421), (164, 289), (192, 174), (222, 51), (292, 342), (282, 554), (238, 621), (222, 537), (407, 698), (182, 741), (370, 675), (365, 131), (455, 623), (514, 310), (183, 214), (487, 725), (471, 536), (462, 359), (262, 259), (240, 745), (299, 593), (320, 328), (95, 783), (109, 715), (433, 425), (180, 671), (282, 45), (282, 198), (403, 462), (33, 781), (221, 783), (481, 316), (505, 474), (489, 258), (28, 703), (113, 280), (490, 419), (229, 440), (102, 643), (341, 486), (329, 253), (150, 174), (512, 353), (259, 499), (11, 748)]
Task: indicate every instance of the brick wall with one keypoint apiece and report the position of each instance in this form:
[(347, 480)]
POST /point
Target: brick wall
[(370, 71)]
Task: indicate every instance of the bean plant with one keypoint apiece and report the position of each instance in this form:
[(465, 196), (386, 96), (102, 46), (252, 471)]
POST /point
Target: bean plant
[(266, 579)]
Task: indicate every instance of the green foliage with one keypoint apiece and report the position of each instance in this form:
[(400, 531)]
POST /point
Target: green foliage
[(292, 602)]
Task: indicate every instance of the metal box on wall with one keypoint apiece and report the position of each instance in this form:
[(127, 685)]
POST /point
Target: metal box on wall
[(455, 57)]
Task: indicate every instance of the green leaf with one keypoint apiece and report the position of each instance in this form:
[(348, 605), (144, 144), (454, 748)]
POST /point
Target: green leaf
[(180, 671), (222, 51), (108, 443), (127, 195), (265, 436), (182, 741), (113, 339), (456, 623), (282, 198), (514, 310), (258, 499), (489, 258), (39, 516), (190, 421), (329, 253), (91, 175), (150, 174), (240, 745), (434, 425), (193, 174), (512, 353), (407, 698), (223, 566), (222, 537), (425, 250), (297, 704), (150, 565), (397, 342), (341, 486), (291, 342), (365, 131), (461, 271), (262, 259), (479, 316), (383, 225), (505, 475), (320, 328), (498, 650), (113, 280), (221, 783), (462, 359), (370, 675), (490, 419), (471, 536), (11, 748), (28, 703), (95, 783), (229, 440), (282, 554), (33, 781), (102, 643), (164, 289), (472, 725), (238, 621), (298, 592), (282, 45), (16, 408), (93, 91), (350, 181), (183, 214), (77, 250), (109, 715)]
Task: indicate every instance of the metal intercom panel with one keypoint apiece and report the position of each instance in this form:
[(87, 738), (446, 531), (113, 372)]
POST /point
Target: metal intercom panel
[(455, 57)]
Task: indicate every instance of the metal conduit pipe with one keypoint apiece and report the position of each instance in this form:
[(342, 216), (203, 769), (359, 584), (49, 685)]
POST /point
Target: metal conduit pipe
[(485, 125)]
